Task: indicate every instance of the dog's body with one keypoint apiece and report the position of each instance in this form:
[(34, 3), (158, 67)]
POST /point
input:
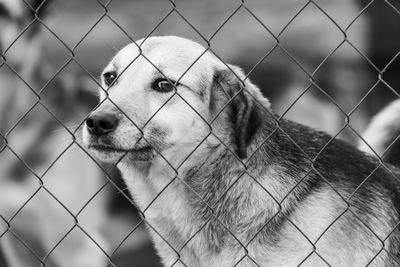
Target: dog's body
[(222, 183)]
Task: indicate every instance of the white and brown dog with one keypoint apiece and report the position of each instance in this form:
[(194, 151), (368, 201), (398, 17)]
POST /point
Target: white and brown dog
[(221, 182)]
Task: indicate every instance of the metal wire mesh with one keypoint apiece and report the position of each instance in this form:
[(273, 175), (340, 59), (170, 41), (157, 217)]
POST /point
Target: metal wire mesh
[(175, 9)]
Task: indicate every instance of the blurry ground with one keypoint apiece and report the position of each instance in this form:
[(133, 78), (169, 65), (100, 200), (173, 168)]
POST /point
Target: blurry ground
[(345, 77)]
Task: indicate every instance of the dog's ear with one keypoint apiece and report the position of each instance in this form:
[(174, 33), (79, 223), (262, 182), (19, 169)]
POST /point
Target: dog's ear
[(245, 104)]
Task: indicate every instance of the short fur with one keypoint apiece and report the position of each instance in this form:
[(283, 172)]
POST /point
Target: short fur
[(230, 184)]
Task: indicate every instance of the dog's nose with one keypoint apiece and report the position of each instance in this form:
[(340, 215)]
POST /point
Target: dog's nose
[(101, 123)]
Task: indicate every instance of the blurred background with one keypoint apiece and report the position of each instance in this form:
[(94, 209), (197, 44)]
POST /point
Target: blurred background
[(327, 64)]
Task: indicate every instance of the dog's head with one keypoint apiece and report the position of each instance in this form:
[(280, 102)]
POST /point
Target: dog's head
[(170, 94)]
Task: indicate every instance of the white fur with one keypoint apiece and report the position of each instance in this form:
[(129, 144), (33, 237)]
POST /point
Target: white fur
[(382, 130)]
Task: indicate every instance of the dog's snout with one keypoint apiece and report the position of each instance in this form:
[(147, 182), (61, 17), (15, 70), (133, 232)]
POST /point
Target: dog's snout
[(100, 123)]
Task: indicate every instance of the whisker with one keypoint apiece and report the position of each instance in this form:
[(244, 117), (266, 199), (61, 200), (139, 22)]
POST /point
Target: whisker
[(112, 47)]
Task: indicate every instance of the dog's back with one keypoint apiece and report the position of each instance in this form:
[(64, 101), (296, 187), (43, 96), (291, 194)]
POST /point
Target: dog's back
[(347, 201)]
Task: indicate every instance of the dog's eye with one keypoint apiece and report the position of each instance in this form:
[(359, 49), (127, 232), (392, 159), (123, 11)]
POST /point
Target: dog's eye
[(163, 85), (109, 77)]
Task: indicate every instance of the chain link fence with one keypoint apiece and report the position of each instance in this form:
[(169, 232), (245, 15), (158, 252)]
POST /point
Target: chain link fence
[(61, 249)]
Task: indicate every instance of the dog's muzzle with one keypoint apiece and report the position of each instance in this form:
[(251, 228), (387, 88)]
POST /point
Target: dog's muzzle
[(101, 127)]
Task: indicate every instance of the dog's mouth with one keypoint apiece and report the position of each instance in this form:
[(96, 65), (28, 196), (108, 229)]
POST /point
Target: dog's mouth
[(114, 149), (109, 150), (114, 154)]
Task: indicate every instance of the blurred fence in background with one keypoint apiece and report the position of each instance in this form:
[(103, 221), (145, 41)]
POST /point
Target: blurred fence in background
[(339, 58)]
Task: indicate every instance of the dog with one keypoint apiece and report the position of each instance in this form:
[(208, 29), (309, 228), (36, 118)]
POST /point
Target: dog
[(221, 181)]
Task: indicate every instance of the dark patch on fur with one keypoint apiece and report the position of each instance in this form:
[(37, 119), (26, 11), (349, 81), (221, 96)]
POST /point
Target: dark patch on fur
[(244, 112), (392, 155)]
